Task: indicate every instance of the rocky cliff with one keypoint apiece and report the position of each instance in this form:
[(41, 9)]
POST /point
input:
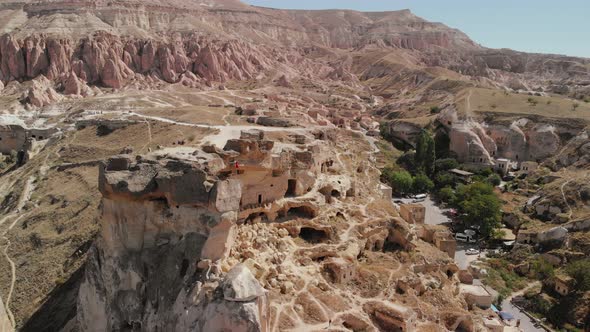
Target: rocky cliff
[(114, 44), (162, 224)]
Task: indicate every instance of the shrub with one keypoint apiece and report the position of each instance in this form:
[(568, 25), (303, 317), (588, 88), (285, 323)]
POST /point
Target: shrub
[(542, 269), (575, 106), (580, 272), (11, 158), (401, 182), (480, 205), (494, 180), (445, 179), (445, 164), (446, 194), (35, 240), (406, 160), (422, 184), (434, 110)]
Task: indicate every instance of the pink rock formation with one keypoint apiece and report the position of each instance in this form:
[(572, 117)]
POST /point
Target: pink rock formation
[(42, 93)]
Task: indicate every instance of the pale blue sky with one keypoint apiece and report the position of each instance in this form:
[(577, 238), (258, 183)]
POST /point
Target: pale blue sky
[(560, 26)]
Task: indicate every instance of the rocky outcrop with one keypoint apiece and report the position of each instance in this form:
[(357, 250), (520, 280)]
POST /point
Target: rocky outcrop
[(467, 145), (112, 61), (159, 219), (42, 92), (576, 152), (243, 307)]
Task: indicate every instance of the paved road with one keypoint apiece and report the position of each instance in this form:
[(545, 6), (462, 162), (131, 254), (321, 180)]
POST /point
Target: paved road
[(526, 324), (434, 214)]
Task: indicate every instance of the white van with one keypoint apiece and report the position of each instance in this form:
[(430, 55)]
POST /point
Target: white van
[(419, 198), (461, 237)]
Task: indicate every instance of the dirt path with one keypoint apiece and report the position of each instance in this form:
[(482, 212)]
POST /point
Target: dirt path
[(18, 215), (468, 112), (571, 211)]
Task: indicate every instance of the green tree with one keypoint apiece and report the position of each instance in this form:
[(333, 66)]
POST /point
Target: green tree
[(580, 272), (442, 143), (446, 194), (542, 269), (445, 164), (407, 161), (480, 206), (445, 179), (425, 153), (422, 184), (494, 180), (401, 182)]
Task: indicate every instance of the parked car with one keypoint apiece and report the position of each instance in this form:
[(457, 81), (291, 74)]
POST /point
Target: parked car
[(509, 177), (462, 237), (472, 251), (419, 198)]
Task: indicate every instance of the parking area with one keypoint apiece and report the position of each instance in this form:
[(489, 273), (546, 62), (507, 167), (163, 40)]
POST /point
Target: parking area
[(436, 216)]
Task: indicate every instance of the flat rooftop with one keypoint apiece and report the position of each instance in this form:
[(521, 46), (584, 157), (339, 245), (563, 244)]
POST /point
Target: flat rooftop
[(461, 172)]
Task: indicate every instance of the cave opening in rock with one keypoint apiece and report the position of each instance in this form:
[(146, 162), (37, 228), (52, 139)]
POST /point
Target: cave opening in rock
[(291, 188), (450, 273), (335, 193), (130, 326), (183, 267), (312, 235), (300, 212), (256, 217)]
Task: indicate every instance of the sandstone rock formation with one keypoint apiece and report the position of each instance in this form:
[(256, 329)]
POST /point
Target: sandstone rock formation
[(245, 41)]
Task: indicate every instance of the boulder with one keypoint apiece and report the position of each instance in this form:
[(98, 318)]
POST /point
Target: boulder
[(239, 285), (284, 82)]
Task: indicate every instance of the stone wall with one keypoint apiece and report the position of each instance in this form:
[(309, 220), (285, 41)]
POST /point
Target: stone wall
[(12, 138)]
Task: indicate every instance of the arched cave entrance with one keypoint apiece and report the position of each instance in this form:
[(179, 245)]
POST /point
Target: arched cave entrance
[(297, 212), (291, 188), (313, 236), (256, 217)]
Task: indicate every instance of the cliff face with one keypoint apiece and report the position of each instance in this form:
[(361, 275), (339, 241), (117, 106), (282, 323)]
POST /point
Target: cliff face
[(200, 42), (162, 223), (112, 61)]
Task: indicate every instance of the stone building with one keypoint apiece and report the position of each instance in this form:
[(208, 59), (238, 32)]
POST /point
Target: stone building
[(392, 316), (563, 284), (386, 191), (12, 138), (464, 176), (340, 270), (15, 137), (441, 237), (528, 166), (413, 213), (503, 165), (476, 295)]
